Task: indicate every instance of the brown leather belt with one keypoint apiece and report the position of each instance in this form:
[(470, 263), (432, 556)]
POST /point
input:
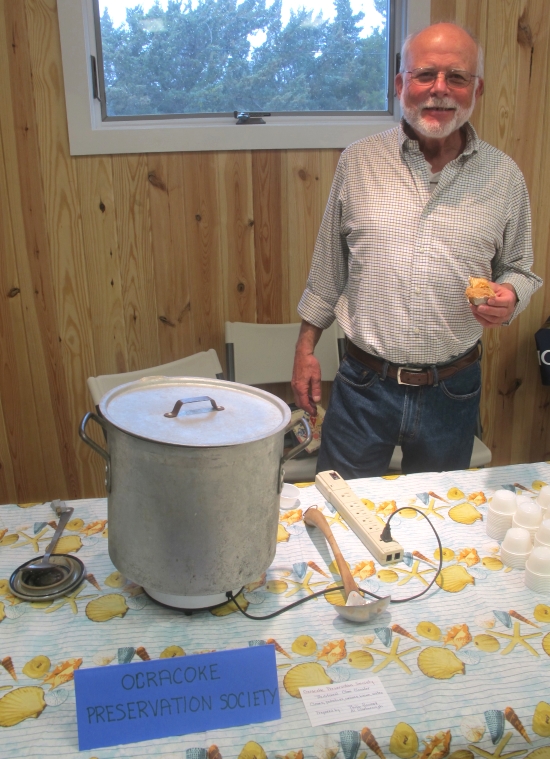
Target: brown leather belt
[(407, 375)]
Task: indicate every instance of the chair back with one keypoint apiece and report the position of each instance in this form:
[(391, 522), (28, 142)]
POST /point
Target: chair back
[(263, 353), (204, 364)]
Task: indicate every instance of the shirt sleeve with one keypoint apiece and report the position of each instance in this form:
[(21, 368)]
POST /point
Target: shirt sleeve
[(329, 267), (512, 263)]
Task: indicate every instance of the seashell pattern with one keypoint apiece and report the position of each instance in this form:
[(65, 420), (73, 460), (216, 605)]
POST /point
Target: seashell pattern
[(213, 752), (300, 569), (514, 720), (332, 652), (350, 740), (252, 750), (428, 630), (171, 652), (455, 578), (541, 719), (387, 575), (75, 525), (21, 704), (546, 644), (437, 746), (68, 544), (115, 580), (303, 675), (492, 563), (473, 728), (230, 608), (304, 645), (503, 617), (542, 613), (142, 653), (404, 741), (106, 607), (372, 743), (360, 659), (464, 513), (37, 667), (195, 753), (485, 642), (384, 634), (401, 631), (440, 663), (495, 722), (62, 673), (7, 663), (521, 618), (457, 636), (455, 494), (468, 556)]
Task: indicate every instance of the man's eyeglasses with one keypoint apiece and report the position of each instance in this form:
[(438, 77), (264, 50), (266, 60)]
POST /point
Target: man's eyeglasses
[(455, 78)]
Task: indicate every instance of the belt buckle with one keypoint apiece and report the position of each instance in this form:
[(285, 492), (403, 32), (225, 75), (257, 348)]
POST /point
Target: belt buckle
[(407, 369)]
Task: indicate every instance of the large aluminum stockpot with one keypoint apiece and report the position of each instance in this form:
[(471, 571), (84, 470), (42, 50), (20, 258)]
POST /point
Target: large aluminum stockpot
[(194, 470)]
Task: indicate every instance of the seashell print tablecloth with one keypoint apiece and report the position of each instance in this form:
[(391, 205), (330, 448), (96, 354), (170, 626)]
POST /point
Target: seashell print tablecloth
[(467, 666)]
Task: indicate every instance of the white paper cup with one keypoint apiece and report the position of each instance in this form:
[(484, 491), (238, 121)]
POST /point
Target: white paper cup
[(543, 498), (289, 496), (537, 583), (528, 515), (516, 547), (517, 541), (542, 535), (503, 502), (539, 561)]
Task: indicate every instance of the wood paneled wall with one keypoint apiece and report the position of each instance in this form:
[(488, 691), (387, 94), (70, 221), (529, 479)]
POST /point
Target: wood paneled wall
[(114, 263)]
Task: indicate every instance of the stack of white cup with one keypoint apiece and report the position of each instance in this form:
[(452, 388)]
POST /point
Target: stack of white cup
[(542, 535), (500, 513), (543, 500), (528, 515), (516, 547), (537, 570)]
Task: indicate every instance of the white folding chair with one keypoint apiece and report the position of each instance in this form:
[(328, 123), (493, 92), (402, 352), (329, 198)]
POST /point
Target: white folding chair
[(258, 354), (481, 456), (204, 364)]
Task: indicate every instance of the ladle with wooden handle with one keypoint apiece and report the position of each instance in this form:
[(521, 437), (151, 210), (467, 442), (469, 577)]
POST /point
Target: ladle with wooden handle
[(357, 608), (315, 518)]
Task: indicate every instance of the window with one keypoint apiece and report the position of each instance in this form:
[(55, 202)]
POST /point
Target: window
[(166, 75), (221, 56)]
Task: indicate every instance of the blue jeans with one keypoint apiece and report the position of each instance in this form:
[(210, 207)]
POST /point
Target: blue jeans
[(368, 416)]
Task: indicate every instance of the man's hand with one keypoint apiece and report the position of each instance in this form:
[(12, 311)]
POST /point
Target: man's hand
[(306, 375), (499, 309)]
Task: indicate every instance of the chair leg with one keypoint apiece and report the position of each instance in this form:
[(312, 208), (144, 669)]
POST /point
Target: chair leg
[(230, 360)]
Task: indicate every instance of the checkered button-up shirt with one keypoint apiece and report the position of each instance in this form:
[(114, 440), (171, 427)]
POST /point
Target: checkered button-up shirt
[(392, 260)]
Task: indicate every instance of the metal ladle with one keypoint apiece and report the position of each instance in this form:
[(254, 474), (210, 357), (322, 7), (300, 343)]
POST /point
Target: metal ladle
[(45, 573), (357, 608)]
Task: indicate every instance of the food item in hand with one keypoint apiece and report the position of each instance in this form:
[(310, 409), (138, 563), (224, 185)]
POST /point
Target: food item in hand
[(479, 291)]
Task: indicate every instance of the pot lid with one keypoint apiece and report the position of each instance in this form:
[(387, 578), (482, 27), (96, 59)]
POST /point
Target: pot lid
[(244, 413)]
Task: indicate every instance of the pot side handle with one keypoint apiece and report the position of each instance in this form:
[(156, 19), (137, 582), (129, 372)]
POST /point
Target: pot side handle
[(94, 446), (296, 450)]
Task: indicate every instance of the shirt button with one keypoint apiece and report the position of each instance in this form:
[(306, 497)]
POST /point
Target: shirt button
[(418, 291), (416, 330)]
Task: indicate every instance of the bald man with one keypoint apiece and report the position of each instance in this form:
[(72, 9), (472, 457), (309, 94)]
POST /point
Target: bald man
[(413, 213)]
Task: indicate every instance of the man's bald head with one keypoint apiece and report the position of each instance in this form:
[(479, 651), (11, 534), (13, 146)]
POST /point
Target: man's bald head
[(444, 35)]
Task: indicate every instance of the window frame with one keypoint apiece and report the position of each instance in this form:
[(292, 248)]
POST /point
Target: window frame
[(89, 134)]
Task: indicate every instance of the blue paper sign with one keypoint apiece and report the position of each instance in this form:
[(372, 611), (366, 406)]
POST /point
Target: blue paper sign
[(189, 694)]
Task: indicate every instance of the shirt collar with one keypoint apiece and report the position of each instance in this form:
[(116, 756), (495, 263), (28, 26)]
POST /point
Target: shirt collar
[(472, 140)]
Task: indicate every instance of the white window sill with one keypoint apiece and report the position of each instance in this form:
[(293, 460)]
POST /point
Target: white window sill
[(280, 132)]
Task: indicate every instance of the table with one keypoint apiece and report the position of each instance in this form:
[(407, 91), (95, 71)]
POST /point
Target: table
[(472, 655)]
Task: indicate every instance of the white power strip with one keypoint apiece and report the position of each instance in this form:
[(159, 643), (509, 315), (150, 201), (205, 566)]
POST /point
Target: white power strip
[(364, 524)]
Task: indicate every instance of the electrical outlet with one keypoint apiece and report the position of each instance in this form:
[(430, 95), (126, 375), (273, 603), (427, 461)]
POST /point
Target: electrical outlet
[(363, 523)]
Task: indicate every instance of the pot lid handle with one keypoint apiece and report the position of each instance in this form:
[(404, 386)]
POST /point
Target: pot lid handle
[(175, 411)]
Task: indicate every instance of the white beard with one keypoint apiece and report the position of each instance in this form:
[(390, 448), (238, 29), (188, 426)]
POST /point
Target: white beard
[(413, 116)]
